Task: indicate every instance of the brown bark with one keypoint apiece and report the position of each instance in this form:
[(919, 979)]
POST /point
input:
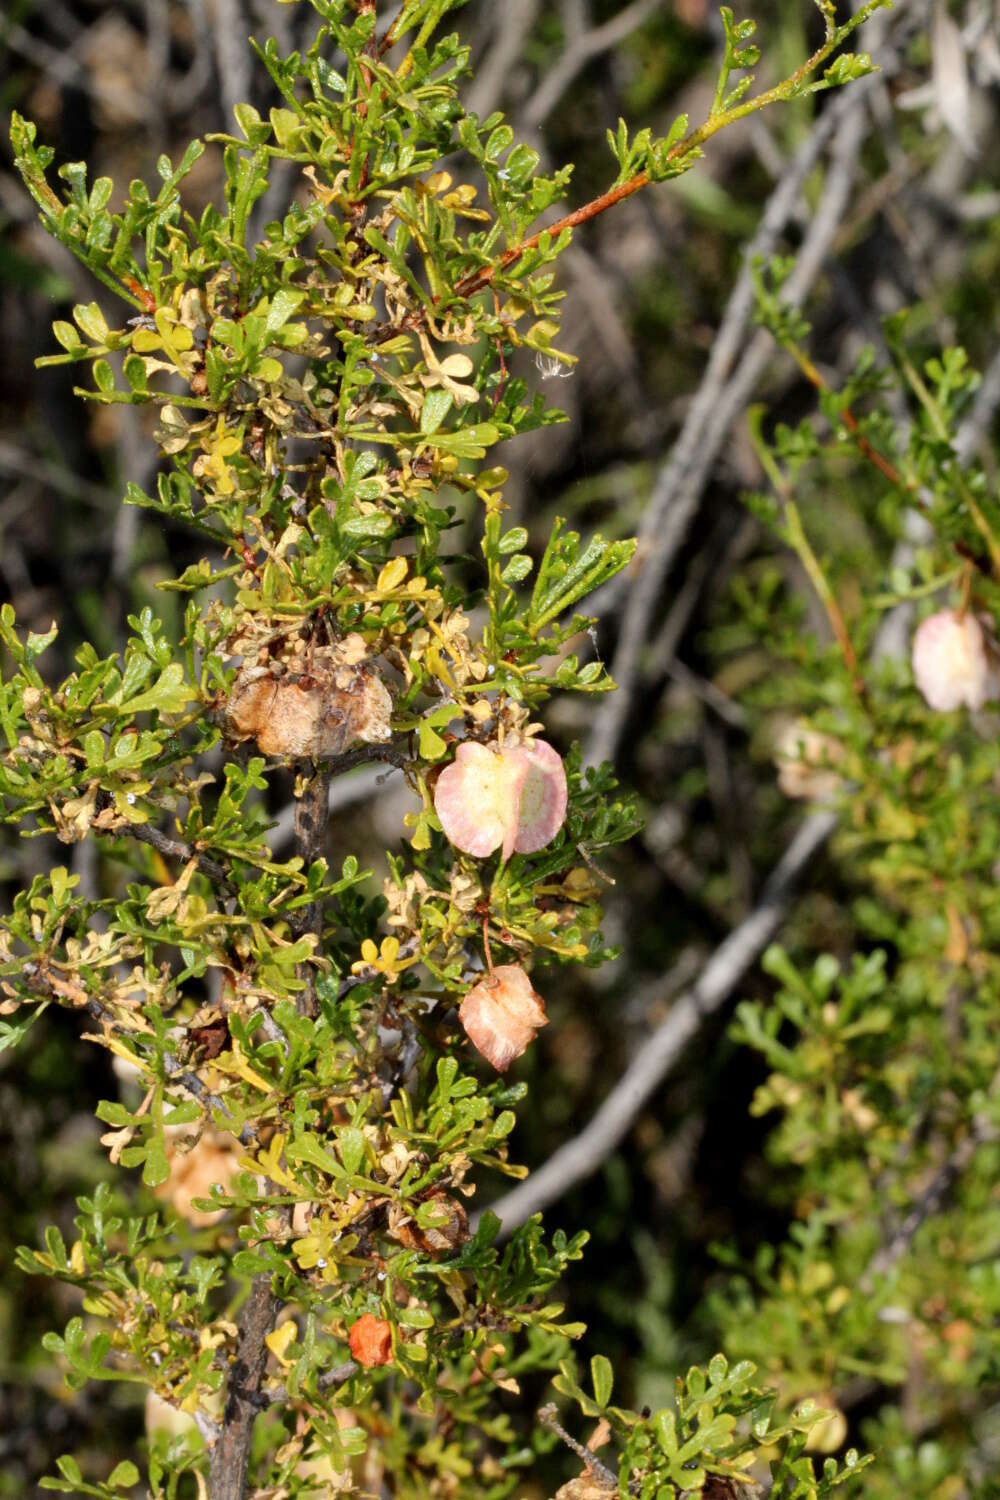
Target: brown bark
[(231, 1453), (311, 816)]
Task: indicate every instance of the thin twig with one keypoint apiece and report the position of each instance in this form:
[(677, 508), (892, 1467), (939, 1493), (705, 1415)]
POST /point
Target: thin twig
[(476, 280), (281, 1396), (311, 815), (930, 1200), (230, 1456), (192, 1084), (548, 1418), (933, 1197), (514, 19), (180, 1077), (177, 849), (391, 754)]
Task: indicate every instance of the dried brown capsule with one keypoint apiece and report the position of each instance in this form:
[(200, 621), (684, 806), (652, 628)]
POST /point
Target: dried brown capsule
[(806, 762), (209, 1040), (587, 1486), (314, 716), (502, 1014), (449, 1230)]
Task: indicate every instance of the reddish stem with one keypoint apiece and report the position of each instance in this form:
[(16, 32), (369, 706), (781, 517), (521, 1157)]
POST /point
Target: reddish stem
[(486, 947), (476, 280)]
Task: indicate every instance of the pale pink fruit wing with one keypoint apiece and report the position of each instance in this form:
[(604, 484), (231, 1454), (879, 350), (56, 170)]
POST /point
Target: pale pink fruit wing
[(516, 769), (950, 663), (490, 1032), (519, 995), (501, 1015), (543, 794), (468, 801)]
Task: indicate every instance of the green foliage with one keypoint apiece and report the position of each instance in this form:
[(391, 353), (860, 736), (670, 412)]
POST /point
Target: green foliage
[(119, 1482), (882, 1065), (717, 1426)]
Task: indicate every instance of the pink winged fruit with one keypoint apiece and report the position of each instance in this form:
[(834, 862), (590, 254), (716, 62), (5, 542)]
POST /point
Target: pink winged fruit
[(953, 662), (510, 797), (502, 1015)]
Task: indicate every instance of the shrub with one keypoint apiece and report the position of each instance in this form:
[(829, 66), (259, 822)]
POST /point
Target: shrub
[(298, 1091)]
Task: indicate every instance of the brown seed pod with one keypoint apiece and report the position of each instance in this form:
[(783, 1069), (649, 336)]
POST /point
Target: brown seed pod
[(442, 1237), (356, 707), (313, 716), (587, 1486), (209, 1040), (502, 1014)]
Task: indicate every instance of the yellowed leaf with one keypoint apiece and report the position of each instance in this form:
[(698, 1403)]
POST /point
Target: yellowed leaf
[(279, 1339)]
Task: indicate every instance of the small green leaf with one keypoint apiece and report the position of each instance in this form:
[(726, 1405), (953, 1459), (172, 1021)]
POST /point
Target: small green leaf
[(665, 1427), (135, 373), (104, 376), (124, 1474), (431, 745), (285, 123), (156, 1168), (284, 304), (68, 336), (602, 1378), (514, 540), (469, 442), (437, 405), (169, 694), (517, 569), (249, 121), (91, 320), (352, 1147)]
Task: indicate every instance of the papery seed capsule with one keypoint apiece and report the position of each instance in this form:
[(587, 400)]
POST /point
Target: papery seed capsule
[(502, 1015), (213, 1159), (370, 1341), (541, 809), (449, 1229), (952, 662), (511, 797), (315, 716)]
